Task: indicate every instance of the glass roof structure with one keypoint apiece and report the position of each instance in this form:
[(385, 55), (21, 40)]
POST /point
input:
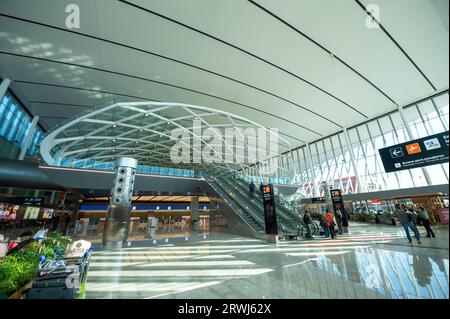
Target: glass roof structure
[(164, 134)]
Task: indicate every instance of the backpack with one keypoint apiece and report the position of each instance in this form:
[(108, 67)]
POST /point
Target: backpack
[(423, 215)]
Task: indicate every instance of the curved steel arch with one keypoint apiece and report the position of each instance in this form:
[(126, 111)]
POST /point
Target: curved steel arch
[(98, 134)]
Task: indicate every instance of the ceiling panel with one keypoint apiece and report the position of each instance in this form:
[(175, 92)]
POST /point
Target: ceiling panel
[(267, 38), (266, 71), (342, 29), (421, 32)]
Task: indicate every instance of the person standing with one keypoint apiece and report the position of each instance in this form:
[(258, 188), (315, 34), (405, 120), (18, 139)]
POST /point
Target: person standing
[(406, 219), (345, 218), (329, 219), (308, 221), (323, 223), (251, 189), (425, 219), (339, 221)]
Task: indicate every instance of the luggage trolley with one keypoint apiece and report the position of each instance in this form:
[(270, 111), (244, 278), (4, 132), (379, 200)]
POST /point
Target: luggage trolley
[(58, 278)]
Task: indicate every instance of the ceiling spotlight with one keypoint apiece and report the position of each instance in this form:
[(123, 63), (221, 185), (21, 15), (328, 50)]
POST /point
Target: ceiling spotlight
[(137, 142), (146, 114), (140, 130), (114, 140), (113, 150)]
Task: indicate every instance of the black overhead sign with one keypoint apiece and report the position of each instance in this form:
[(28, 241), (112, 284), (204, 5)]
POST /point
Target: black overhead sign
[(424, 151), (318, 199)]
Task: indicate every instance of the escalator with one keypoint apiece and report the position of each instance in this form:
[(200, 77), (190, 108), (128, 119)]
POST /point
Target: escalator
[(240, 218), (290, 220), (230, 198)]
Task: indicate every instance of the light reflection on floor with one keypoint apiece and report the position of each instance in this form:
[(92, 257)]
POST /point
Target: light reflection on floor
[(372, 262)]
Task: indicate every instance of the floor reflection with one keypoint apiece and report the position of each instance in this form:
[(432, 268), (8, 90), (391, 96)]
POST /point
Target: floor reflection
[(372, 263)]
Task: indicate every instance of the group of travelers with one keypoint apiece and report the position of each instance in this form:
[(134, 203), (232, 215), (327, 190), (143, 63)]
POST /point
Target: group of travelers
[(329, 222), (410, 218)]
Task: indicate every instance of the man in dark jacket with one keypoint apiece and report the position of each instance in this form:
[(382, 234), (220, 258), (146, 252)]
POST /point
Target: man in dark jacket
[(308, 221), (345, 218), (406, 219), (251, 189)]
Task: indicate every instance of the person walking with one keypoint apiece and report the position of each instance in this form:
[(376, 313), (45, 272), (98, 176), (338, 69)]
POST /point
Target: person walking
[(406, 219), (339, 221), (308, 221), (323, 223), (252, 188), (425, 219), (329, 219)]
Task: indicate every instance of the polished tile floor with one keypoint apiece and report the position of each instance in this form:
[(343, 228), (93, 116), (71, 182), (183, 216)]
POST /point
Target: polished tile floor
[(371, 262)]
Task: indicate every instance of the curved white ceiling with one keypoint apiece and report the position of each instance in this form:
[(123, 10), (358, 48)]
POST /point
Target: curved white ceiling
[(307, 67)]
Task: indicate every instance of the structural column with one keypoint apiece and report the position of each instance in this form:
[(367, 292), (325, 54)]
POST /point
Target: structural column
[(401, 111), (28, 138), (194, 213), (4, 88), (118, 215), (311, 169), (362, 187)]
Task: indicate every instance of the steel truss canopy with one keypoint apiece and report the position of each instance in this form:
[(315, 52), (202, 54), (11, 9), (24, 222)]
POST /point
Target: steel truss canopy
[(307, 67), (165, 134)]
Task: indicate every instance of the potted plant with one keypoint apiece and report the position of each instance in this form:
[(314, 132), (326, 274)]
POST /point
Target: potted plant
[(17, 270)]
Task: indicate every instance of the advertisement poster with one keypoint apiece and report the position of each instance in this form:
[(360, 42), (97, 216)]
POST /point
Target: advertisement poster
[(443, 215), (48, 213), (8, 211), (31, 213)]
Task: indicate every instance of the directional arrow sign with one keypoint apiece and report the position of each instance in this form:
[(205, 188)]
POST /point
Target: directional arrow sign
[(396, 152), (429, 150)]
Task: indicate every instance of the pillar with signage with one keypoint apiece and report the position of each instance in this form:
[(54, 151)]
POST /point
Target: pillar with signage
[(336, 201), (270, 215), (118, 214)]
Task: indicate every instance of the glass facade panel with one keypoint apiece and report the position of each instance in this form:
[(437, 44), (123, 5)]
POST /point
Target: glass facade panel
[(15, 123), (330, 160)]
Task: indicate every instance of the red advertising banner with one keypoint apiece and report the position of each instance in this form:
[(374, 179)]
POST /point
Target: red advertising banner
[(443, 215)]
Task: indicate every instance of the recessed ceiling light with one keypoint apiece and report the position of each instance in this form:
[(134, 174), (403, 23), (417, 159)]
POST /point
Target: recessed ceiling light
[(114, 140), (114, 125), (140, 130), (146, 114), (113, 150)]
